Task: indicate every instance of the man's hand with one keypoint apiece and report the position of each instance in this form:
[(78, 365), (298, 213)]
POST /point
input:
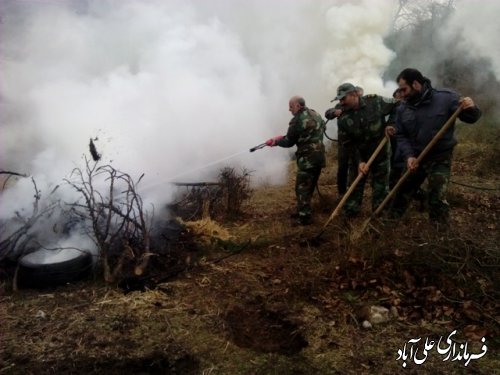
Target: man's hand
[(363, 168), (390, 131), (467, 103), (332, 113), (412, 164), (272, 141)]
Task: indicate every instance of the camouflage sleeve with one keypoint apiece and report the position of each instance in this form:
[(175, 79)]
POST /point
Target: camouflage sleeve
[(330, 113), (291, 136)]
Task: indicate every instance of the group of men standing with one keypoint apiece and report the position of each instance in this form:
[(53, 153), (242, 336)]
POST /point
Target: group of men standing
[(363, 121)]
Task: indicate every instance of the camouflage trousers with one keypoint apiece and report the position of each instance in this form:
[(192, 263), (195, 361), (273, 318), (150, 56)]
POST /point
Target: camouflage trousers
[(379, 173), (305, 184), (437, 173)]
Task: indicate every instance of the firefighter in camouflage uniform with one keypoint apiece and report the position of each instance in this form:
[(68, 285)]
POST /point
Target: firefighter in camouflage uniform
[(347, 164), (363, 124), (305, 130)]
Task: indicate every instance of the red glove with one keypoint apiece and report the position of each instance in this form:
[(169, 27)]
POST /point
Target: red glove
[(272, 142)]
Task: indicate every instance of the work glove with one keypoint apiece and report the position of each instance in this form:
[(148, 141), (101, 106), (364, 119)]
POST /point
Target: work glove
[(272, 141)]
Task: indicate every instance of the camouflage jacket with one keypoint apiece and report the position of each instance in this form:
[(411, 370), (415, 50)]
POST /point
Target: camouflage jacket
[(364, 127), (306, 130)]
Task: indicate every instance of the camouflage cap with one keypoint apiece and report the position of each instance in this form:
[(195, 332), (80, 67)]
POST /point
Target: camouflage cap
[(343, 90)]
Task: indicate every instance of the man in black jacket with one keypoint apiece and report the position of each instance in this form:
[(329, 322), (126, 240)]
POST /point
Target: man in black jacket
[(421, 115)]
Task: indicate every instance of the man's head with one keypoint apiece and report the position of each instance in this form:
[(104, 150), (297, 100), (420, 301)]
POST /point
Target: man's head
[(348, 95), (411, 83), (397, 94), (295, 104), (360, 91)]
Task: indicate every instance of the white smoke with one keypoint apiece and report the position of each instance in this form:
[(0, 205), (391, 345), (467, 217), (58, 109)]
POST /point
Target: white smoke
[(356, 52), (478, 29), (173, 89)]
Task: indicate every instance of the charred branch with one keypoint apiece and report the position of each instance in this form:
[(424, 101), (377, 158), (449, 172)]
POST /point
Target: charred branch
[(116, 219), (93, 151), (10, 174)]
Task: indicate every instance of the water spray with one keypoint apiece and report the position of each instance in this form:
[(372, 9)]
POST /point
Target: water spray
[(195, 169)]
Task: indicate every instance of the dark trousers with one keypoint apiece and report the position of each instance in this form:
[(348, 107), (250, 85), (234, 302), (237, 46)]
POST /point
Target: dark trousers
[(347, 170)]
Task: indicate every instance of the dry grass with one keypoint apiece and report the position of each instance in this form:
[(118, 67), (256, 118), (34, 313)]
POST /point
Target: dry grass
[(281, 306), (207, 230)]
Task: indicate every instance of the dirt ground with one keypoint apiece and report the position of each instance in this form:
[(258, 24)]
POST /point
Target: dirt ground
[(268, 301)]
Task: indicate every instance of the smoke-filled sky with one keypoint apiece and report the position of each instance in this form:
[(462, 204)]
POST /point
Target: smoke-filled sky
[(169, 87), (172, 87), (476, 23)]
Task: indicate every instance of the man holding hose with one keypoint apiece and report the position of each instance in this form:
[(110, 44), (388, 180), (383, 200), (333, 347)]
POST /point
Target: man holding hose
[(422, 114), (305, 130)]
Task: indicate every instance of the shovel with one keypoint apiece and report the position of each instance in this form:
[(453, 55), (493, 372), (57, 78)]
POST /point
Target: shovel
[(351, 189), (396, 187)]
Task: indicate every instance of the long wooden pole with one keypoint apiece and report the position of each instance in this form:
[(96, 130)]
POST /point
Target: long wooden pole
[(353, 186), (424, 152)]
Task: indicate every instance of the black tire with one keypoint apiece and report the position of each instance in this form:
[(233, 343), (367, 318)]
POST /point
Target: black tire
[(45, 268)]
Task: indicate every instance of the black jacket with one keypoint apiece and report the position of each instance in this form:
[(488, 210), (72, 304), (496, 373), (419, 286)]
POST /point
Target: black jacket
[(417, 123)]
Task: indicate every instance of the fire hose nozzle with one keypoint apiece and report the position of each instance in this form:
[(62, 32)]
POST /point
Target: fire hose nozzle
[(262, 145)]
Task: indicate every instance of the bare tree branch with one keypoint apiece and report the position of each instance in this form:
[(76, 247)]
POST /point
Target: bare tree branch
[(20, 237), (116, 219)]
